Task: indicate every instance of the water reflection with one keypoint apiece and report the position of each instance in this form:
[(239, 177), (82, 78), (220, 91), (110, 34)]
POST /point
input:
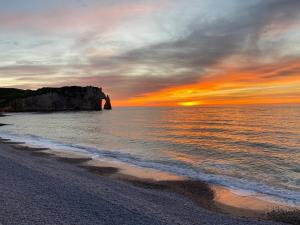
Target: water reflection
[(252, 143)]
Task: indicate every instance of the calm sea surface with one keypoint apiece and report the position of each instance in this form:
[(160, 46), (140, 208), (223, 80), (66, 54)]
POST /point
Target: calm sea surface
[(251, 149)]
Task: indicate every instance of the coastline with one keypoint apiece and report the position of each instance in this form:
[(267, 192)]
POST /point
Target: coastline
[(214, 163), (206, 197), (224, 200)]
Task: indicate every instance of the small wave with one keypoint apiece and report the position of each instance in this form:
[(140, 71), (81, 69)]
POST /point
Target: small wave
[(240, 186), (208, 129), (259, 145)]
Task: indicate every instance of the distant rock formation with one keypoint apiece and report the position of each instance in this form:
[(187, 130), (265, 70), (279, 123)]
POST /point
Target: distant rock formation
[(53, 99), (107, 104)]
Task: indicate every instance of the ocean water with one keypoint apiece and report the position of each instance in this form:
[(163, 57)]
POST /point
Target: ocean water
[(254, 150)]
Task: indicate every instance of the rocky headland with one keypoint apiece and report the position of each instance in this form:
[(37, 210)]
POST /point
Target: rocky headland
[(73, 98)]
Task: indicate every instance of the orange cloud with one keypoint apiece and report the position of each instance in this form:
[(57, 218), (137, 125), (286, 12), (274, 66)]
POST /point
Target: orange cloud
[(272, 83)]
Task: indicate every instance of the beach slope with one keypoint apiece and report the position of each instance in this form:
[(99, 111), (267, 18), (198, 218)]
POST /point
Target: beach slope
[(42, 190)]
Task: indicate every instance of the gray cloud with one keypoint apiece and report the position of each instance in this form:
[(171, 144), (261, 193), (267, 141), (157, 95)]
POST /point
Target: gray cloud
[(283, 73), (27, 70), (209, 43), (122, 87), (183, 59), (204, 46)]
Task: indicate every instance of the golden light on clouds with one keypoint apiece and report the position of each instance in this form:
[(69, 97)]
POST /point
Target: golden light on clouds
[(140, 56), (231, 87)]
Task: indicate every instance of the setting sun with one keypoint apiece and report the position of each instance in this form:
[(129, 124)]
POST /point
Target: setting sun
[(183, 107), (190, 103)]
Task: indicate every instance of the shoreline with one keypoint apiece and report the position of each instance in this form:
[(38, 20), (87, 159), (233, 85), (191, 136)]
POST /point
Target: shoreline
[(216, 199), (223, 201), (233, 196)]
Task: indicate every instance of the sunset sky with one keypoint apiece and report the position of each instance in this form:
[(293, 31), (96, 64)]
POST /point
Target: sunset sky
[(155, 52)]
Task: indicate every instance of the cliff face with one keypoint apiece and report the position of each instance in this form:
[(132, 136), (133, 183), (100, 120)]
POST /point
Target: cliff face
[(55, 99)]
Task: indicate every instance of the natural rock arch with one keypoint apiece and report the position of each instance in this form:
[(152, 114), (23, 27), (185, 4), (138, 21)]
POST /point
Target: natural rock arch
[(107, 104)]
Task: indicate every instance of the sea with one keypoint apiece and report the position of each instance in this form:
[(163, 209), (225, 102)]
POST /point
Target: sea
[(251, 149)]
